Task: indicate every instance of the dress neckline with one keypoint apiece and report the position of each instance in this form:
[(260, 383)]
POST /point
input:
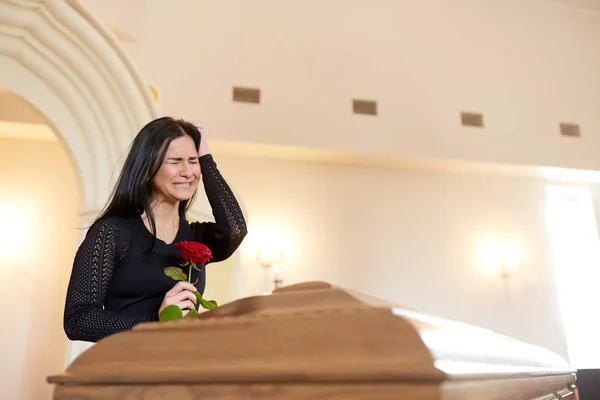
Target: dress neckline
[(150, 236)]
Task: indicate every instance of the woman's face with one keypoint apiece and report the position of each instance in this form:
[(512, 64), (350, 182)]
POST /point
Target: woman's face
[(178, 176)]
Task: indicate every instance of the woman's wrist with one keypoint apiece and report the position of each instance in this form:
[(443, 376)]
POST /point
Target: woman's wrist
[(203, 150)]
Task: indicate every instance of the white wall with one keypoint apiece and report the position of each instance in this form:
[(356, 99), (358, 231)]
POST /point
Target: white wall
[(38, 204), (409, 236), (526, 64)]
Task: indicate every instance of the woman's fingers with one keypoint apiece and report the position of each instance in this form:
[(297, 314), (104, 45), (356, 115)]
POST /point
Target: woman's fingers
[(179, 287), (181, 292), (181, 296), (186, 305)]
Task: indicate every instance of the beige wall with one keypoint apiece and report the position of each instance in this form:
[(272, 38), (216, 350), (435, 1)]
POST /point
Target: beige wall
[(409, 236), (39, 197), (525, 64)]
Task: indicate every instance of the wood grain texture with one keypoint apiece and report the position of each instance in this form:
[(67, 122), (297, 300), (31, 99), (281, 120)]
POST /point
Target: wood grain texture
[(385, 391), (313, 340), (484, 390), (299, 347)]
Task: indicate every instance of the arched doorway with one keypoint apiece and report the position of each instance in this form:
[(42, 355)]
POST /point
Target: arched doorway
[(59, 58), (39, 199)]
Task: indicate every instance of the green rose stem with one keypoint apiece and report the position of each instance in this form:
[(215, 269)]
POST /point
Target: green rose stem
[(176, 273), (190, 272)]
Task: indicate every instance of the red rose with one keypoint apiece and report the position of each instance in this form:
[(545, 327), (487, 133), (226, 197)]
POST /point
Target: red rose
[(194, 252)]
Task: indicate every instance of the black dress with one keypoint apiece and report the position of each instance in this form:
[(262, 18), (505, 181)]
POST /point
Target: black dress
[(116, 283)]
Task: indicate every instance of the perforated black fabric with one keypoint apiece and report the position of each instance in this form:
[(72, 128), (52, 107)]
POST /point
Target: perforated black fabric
[(94, 265)]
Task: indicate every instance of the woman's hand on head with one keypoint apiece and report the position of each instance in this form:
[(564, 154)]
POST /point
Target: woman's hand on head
[(181, 295), (203, 149)]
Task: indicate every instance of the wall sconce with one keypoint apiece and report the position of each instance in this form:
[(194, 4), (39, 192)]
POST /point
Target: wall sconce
[(269, 243), (502, 256), (268, 258), (506, 267)]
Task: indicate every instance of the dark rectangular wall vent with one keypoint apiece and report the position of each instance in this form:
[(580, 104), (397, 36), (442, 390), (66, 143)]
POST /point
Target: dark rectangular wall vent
[(364, 107), (246, 95), (471, 119), (571, 130)]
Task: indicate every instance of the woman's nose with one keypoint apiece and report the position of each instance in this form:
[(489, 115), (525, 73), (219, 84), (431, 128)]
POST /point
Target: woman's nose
[(186, 170)]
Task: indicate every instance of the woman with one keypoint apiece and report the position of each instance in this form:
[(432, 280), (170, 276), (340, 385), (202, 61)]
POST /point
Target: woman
[(118, 278)]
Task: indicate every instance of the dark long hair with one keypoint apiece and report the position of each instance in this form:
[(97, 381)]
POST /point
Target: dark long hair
[(132, 194)]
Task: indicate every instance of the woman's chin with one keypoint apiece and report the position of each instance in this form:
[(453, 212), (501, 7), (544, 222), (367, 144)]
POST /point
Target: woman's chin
[(184, 196)]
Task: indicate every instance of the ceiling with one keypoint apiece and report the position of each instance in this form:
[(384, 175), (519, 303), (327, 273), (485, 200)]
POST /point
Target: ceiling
[(134, 24), (116, 14), (587, 4)]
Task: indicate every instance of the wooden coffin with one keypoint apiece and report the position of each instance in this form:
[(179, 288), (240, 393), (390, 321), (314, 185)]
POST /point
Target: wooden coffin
[(314, 341)]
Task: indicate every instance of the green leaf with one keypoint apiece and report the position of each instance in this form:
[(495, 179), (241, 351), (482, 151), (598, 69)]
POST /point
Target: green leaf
[(191, 312), (170, 313), (184, 263), (207, 304), (195, 267), (213, 304), (175, 273)]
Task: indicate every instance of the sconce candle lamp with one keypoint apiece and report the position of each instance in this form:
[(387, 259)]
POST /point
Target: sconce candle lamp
[(502, 256), (268, 257)]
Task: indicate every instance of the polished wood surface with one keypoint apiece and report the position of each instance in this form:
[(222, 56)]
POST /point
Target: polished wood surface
[(313, 340)]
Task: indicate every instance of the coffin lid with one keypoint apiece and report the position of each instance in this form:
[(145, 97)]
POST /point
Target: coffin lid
[(312, 331)]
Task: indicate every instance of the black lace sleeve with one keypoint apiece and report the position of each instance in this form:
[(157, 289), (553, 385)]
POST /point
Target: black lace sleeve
[(224, 235), (85, 317)]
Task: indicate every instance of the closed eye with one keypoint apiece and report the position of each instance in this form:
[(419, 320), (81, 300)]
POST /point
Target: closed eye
[(176, 160)]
